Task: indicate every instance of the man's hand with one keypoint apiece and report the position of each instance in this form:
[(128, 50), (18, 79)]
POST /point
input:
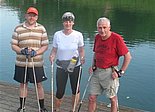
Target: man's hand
[(92, 69), (114, 75), (25, 51), (33, 53)]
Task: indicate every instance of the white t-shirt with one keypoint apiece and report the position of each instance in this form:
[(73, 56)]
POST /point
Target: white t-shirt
[(67, 45)]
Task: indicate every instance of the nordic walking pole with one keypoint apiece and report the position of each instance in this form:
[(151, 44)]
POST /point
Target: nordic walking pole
[(52, 88), (84, 93), (116, 91), (117, 95), (35, 83), (77, 87), (117, 105), (24, 83)]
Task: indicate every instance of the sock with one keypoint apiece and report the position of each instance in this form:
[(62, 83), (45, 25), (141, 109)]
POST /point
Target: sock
[(21, 101), (41, 102)]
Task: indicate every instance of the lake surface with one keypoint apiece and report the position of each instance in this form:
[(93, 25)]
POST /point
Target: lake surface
[(132, 19)]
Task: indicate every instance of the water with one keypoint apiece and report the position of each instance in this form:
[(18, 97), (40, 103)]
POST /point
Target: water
[(132, 19)]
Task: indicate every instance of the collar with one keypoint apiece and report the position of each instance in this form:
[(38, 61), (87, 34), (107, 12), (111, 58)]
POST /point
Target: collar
[(24, 25)]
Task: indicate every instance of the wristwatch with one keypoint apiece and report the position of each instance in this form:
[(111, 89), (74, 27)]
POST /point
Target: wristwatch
[(120, 73), (82, 58)]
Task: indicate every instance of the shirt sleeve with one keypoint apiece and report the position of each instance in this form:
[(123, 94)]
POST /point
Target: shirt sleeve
[(55, 40), (45, 40), (81, 42), (14, 40), (121, 46)]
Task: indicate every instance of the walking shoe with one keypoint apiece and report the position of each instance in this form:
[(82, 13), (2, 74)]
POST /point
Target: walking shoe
[(57, 110), (109, 105), (21, 110), (43, 110)]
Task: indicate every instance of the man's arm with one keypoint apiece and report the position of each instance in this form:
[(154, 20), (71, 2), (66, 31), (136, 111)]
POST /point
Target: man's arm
[(126, 61), (93, 67), (16, 48), (42, 50)]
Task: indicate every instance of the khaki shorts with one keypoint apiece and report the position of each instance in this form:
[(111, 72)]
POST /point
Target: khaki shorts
[(102, 82)]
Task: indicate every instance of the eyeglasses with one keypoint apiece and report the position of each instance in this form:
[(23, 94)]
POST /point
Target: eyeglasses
[(68, 18)]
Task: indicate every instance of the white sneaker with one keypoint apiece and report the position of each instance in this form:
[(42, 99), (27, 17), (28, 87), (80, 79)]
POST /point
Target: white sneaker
[(109, 105), (21, 110)]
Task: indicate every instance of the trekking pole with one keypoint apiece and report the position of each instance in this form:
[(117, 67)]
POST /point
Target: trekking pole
[(77, 87), (84, 93), (52, 88), (35, 83), (116, 86), (24, 84), (117, 105), (116, 94)]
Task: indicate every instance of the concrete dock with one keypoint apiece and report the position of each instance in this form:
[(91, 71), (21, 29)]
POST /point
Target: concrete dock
[(9, 101)]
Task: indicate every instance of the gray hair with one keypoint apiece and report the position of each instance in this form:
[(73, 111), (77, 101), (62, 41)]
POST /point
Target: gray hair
[(102, 19), (68, 16)]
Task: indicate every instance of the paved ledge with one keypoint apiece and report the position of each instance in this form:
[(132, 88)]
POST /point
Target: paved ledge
[(9, 101)]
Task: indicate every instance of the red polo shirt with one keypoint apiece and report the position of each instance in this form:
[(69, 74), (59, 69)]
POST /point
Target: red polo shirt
[(108, 51)]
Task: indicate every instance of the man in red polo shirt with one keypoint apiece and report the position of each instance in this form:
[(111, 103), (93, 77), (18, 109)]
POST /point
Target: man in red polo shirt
[(108, 48)]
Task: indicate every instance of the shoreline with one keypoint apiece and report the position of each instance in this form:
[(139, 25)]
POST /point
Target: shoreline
[(9, 101)]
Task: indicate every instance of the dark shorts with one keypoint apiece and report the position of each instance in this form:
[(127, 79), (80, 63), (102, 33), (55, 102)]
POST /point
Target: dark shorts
[(20, 74)]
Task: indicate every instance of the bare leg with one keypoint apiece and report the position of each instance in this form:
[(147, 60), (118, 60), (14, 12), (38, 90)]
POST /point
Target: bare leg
[(92, 103), (58, 103), (23, 93), (40, 91), (113, 104), (77, 100), (41, 96)]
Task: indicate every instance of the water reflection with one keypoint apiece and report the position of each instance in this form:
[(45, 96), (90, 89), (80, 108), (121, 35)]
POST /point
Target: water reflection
[(132, 19)]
